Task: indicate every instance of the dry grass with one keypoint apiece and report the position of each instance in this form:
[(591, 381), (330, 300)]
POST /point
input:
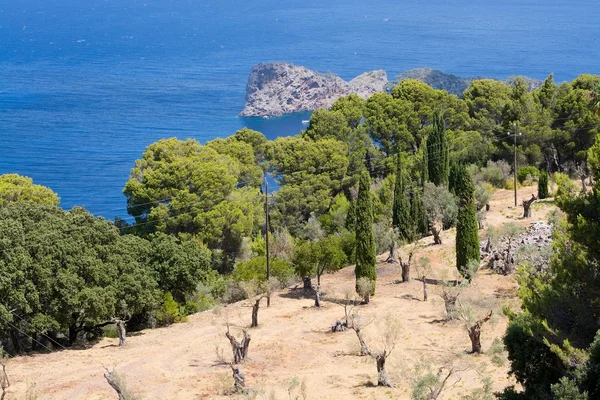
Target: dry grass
[(293, 342)]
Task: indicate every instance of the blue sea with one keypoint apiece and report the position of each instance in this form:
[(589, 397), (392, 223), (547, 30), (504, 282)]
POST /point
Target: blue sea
[(86, 85)]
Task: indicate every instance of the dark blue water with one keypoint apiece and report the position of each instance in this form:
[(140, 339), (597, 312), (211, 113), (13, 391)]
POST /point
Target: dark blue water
[(86, 85)]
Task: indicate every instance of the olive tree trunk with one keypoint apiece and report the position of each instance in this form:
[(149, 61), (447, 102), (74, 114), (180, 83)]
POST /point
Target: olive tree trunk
[(527, 206), (239, 349), (239, 379), (424, 288), (475, 333), (382, 376), (317, 290), (255, 308), (435, 231), (406, 268), (450, 300)]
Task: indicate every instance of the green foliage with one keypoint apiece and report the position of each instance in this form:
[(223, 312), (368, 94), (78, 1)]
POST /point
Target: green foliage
[(17, 188), (549, 343), (169, 312), (314, 258), (566, 389), (401, 218), (543, 185), (467, 240), (255, 269), (351, 107), (325, 124), (310, 173), (467, 226), (438, 152), (182, 187), (532, 363), (365, 241), (66, 270), (418, 216), (525, 173), (439, 204)]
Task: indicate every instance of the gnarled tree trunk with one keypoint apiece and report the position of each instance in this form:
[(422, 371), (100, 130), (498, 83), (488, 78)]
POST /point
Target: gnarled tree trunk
[(436, 231), (382, 377), (424, 288), (527, 206), (120, 324), (450, 303), (239, 380), (406, 268), (255, 308), (475, 333), (307, 283), (392, 256), (317, 290), (364, 349), (239, 349), (110, 378)]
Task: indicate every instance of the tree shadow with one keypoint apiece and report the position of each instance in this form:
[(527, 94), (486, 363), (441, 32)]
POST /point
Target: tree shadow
[(408, 297), (452, 282), (298, 293)]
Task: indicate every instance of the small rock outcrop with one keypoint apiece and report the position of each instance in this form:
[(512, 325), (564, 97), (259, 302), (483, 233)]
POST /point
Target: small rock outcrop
[(275, 89)]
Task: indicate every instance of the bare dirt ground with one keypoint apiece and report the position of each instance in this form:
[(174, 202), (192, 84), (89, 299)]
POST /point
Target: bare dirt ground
[(293, 340)]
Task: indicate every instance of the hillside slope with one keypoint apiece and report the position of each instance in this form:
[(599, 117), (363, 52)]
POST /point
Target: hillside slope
[(293, 340)]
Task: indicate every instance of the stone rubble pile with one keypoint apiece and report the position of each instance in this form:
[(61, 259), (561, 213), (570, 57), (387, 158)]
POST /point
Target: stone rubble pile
[(533, 245)]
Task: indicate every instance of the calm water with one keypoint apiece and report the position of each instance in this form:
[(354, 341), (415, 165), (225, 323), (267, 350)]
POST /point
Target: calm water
[(86, 85)]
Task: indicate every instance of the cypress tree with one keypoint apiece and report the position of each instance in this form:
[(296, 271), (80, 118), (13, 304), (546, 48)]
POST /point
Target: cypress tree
[(437, 151), (401, 209), (467, 237), (424, 164), (417, 215), (543, 185), (365, 241), (453, 177)]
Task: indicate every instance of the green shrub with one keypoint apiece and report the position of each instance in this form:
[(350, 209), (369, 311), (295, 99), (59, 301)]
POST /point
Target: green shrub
[(169, 312), (495, 173), (256, 269), (110, 331), (525, 173)]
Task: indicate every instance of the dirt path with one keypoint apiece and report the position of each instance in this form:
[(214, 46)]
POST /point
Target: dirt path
[(180, 362)]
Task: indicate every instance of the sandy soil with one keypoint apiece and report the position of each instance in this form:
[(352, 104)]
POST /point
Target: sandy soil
[(293, 340)]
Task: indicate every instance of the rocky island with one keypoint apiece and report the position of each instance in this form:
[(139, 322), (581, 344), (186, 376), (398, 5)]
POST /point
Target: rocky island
[(276, 89)]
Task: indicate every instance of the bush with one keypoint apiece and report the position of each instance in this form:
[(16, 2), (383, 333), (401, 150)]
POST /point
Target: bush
[(169, 312), (495, 173), (510, 184), (527, 173), (256, 269)]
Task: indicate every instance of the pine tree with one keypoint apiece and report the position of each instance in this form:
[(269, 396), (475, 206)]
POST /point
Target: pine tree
[(467, 237), (438, 151), (401, 209), (365, 240), (543, 185)]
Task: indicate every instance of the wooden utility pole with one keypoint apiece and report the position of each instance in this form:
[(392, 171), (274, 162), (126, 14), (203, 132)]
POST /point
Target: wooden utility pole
[(515, 159), (267, 237)]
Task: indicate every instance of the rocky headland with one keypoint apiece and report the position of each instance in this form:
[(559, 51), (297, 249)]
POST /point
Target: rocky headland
[(276, 89)]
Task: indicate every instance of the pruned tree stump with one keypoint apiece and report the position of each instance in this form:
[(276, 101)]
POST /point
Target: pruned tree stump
[(527, 206), (339, 327)]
